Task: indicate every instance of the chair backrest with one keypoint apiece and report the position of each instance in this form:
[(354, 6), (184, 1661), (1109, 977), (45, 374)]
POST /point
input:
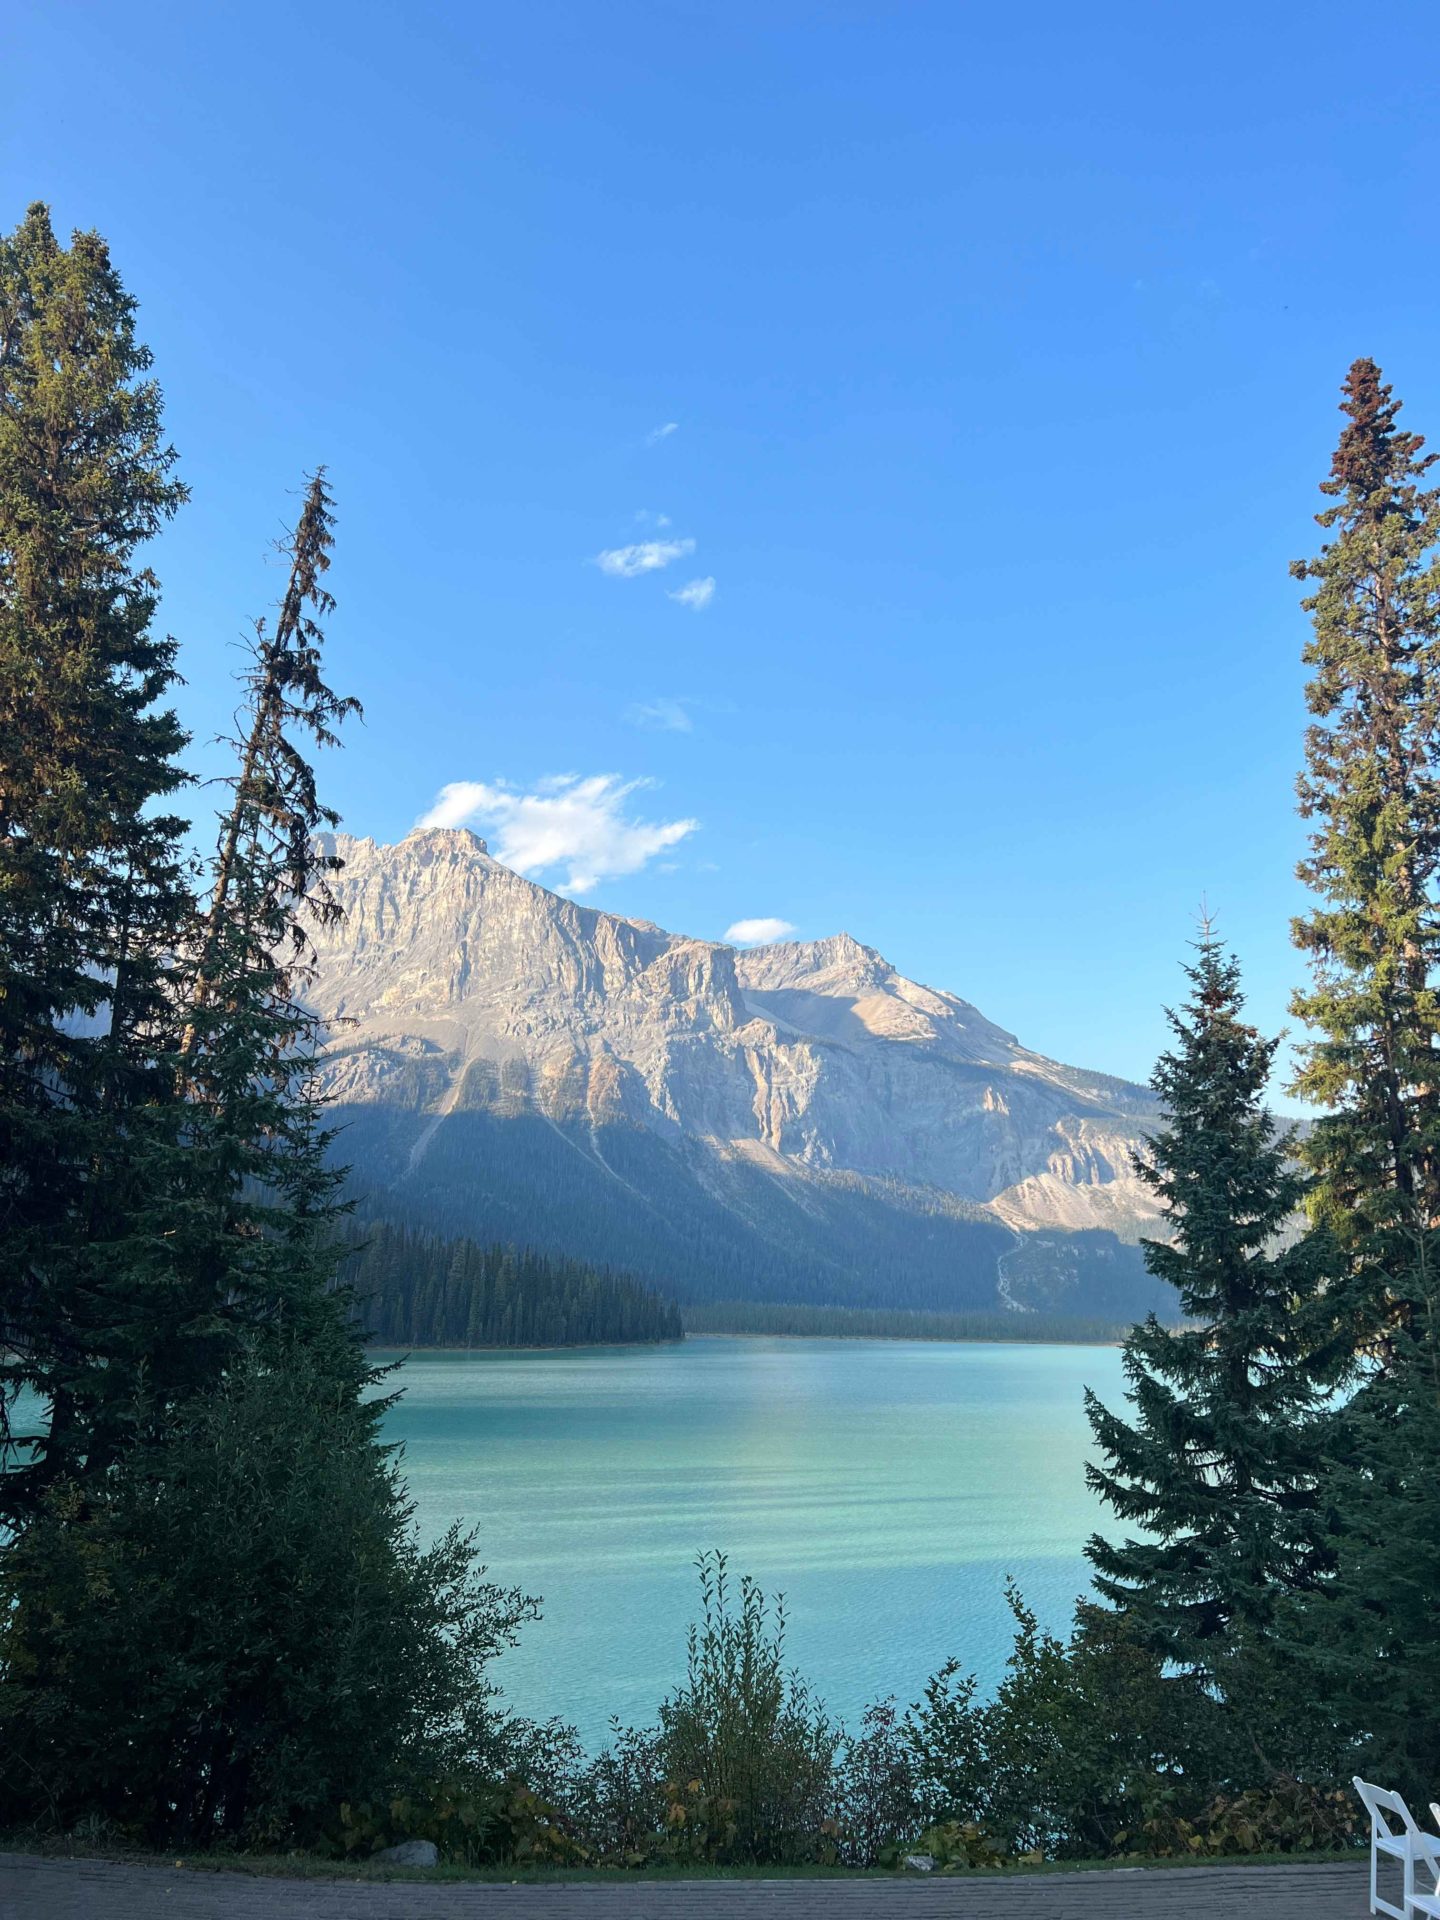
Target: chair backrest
[(1379, 1802)]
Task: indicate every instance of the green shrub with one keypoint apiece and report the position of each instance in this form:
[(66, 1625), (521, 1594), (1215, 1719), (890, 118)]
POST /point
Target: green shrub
[(741, 1768), (1092, 1747), (1284, 1816), (955, 1846), (472, 1821), (876, 1805), (1078, 1741), (632, 1808), (619, 1801), (748, 1752)]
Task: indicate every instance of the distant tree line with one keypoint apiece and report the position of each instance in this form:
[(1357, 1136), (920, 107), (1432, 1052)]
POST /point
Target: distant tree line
[(412, 1289), (880, 1323)]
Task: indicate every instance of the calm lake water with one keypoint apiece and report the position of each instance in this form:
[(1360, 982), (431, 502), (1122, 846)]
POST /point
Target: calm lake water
[(887, 1487)]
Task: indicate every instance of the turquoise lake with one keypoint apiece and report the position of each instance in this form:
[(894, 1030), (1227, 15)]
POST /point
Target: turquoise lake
[(886, 1487)]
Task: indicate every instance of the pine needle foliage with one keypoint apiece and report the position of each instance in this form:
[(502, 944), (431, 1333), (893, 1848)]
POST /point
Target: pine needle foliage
[(1371, 790), (245, 1228), (1371, 786), (1218, 1465), (411, 1289), (275, 812), (94, 896), (236, 1630), (1368, 1640)]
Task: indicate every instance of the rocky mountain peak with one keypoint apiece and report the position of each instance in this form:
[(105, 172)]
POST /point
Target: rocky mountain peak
[(451, 841), (466, 989)]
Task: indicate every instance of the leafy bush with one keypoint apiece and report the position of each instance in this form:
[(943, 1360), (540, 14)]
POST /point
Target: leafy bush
[(1285, 1816), (954, 1846), (875, 1791), (460, 1818), (741, 1767), (1093, 1746), (1073, 1750), (472, 1821), (747, 1750), (619, 1800)]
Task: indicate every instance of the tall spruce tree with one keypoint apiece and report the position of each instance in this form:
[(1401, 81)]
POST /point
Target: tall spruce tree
[(1371, 787), (94, 899), (1219, 1463), (244, 1239)]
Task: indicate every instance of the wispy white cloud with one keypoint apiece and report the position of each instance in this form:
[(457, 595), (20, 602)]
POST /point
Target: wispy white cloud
[(657, 434), (661, 716), (697, 595), (644, 556), (758, 933), (581, 825)]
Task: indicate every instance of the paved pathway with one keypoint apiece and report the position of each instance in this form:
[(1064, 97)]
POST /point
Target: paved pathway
[(48, 1889)]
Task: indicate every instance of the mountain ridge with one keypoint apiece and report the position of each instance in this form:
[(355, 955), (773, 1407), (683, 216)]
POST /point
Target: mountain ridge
[(800, 1116)]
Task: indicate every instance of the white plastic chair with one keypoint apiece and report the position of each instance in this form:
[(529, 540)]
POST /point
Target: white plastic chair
[(1407, 1844), (1427, 1857)]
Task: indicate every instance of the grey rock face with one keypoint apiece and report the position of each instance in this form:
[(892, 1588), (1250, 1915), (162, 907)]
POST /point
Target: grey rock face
[(455, 987)]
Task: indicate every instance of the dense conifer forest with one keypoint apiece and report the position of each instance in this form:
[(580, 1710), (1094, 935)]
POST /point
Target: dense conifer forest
[(892, 1323), (414, 1290)]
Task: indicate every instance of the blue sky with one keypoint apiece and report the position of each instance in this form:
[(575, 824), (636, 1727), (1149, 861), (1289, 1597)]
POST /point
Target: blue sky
[(987, 356)]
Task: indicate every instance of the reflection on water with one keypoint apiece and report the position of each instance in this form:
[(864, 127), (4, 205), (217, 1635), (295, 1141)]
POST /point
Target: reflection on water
[(886, 1486)]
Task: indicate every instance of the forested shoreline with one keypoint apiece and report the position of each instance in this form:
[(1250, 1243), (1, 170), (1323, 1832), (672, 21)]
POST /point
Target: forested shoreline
[(413, 1289), (737, 1317)]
